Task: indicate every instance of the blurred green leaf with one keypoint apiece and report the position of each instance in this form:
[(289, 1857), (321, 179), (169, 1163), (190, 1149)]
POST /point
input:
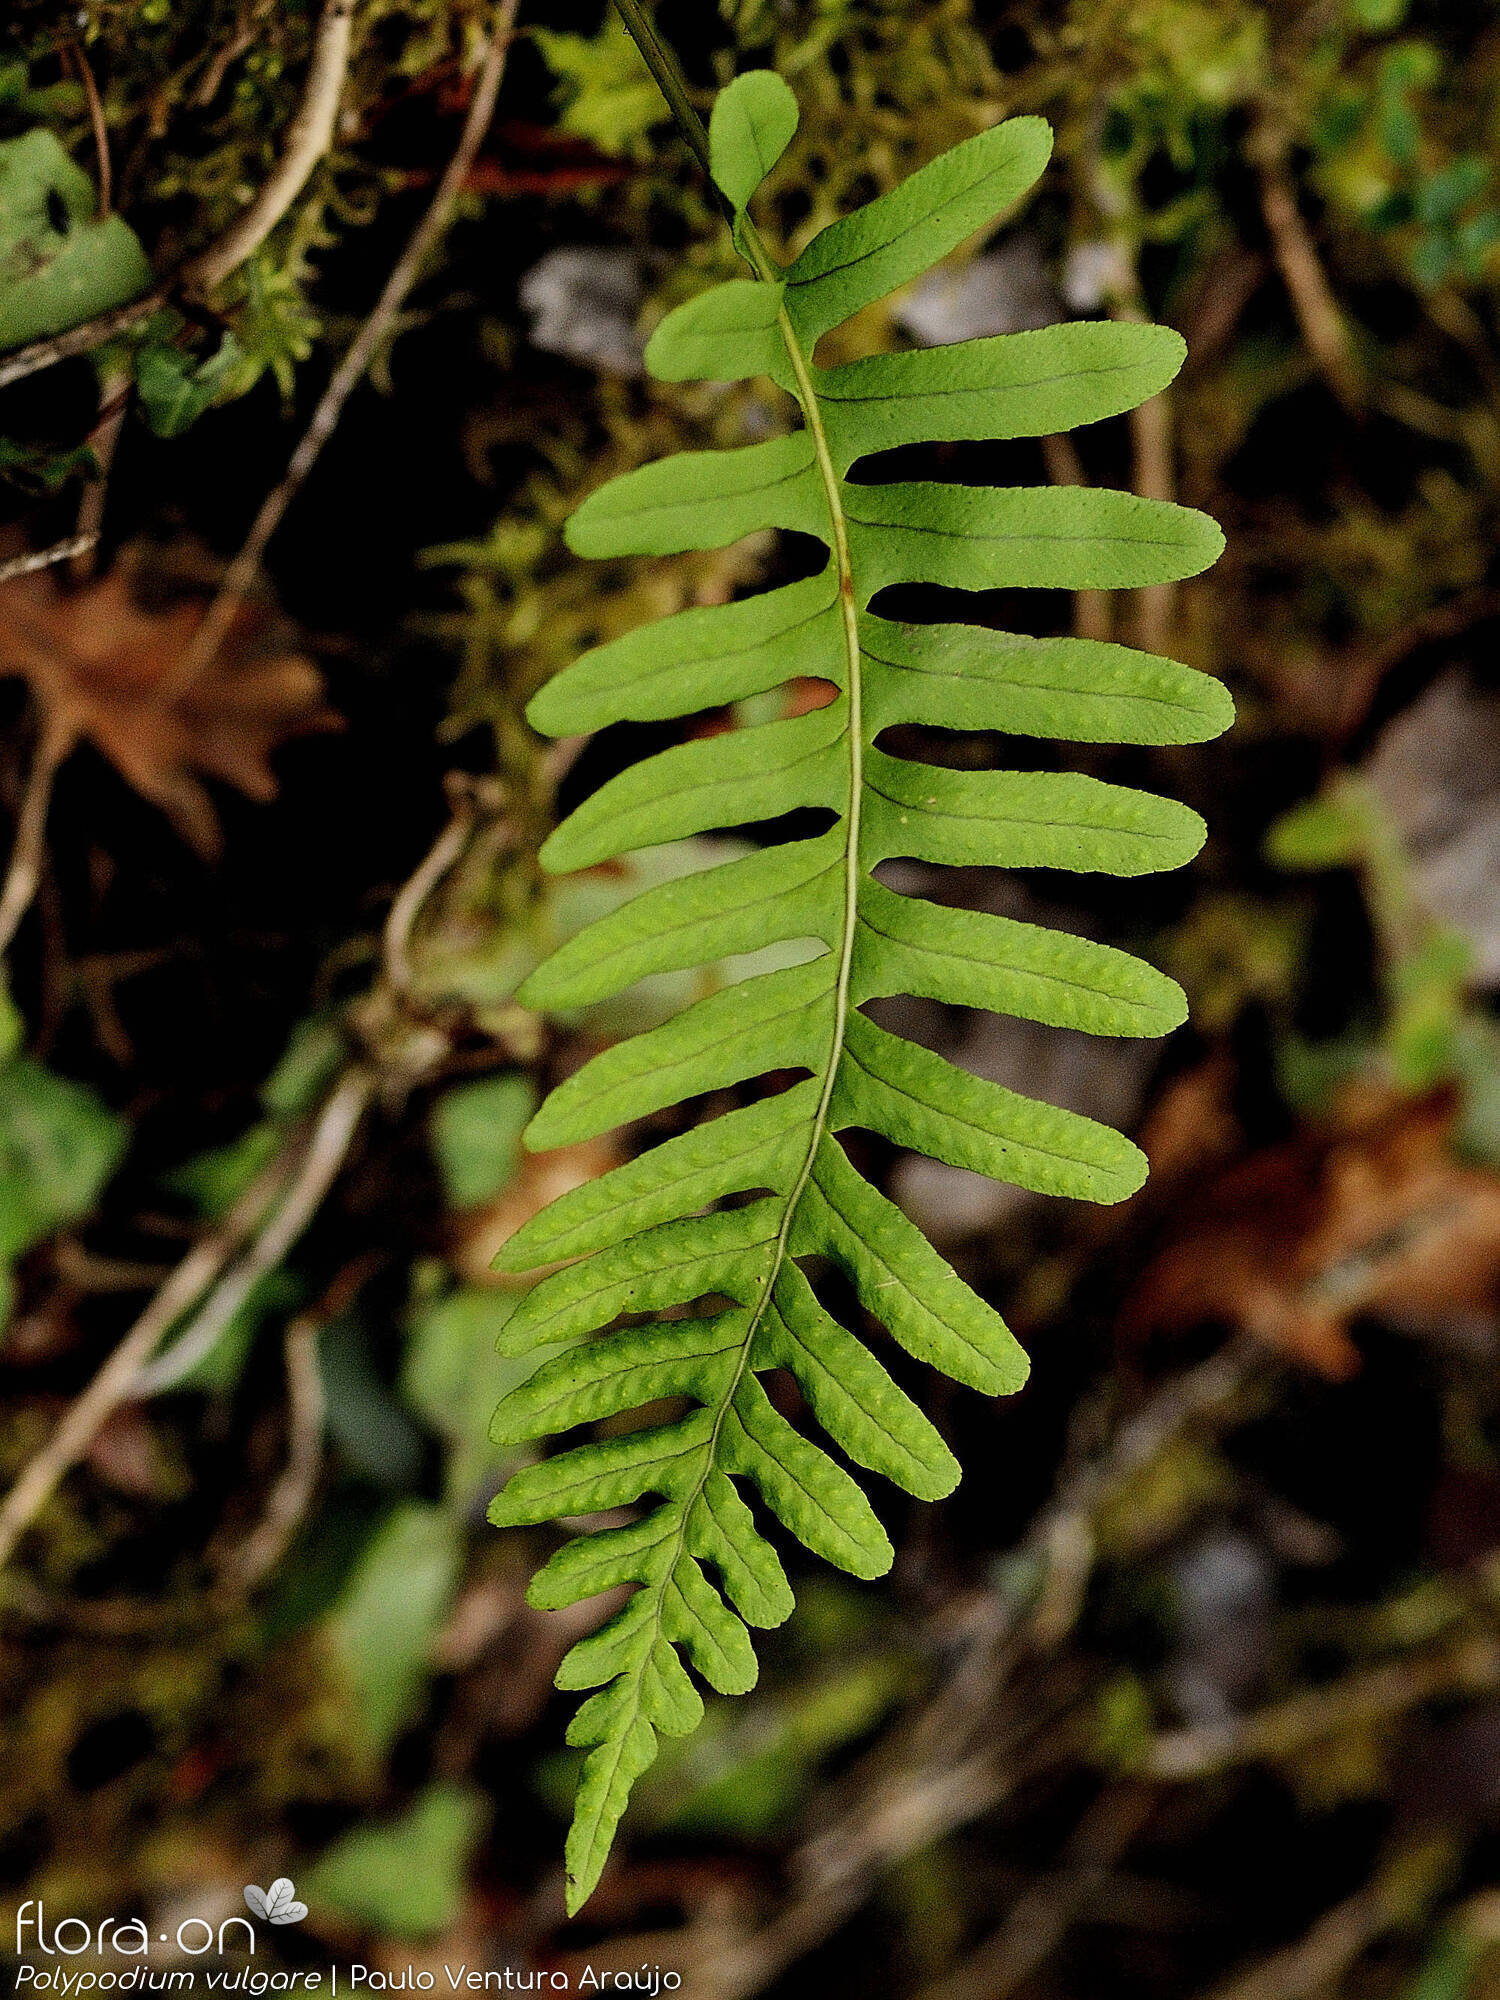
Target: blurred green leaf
[(1311, 1074), (1427, 986), (1442, 195), (1379, 16), (403, 1877), (59, 263), (176, 388), (1124, 1722), (453, 1377), (311, 1059), (1329, 831), (215, 1180), (606, 91), (58, 1146), (1447, 1972), (12, 1026), (390, 1610), (56, 101), (476, 1135), (370, 1427), (39, 469)]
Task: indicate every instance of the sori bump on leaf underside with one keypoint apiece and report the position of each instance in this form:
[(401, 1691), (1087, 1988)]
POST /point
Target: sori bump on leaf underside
[(650, 1237)]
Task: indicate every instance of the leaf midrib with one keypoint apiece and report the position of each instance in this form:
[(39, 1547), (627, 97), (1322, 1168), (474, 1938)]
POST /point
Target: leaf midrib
[(1036, 976), (846, 398), (689, 1499), (970, 1124), (1069, 690)]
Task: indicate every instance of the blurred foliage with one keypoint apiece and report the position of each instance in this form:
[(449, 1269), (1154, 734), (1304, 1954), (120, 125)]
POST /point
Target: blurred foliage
[(405, 1877)]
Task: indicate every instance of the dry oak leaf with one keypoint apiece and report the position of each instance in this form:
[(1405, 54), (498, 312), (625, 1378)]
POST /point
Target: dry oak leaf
[(1294, 1243), (101, 659)]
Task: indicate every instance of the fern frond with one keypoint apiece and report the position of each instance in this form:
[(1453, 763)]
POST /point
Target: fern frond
[(647, 1238)]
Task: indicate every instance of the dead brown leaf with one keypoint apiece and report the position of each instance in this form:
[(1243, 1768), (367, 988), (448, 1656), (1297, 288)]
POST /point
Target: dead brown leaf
[(479, 1232), (1292, 1244), (101, 657)]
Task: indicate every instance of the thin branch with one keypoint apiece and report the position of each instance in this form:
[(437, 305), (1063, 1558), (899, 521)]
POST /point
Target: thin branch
[(242, 39), (326, 1152), (1324, 329), (25, 869), (254, 1558), (1154, 476), (75, 545), (96, 120), (115, 1381), (969, 1750), (305, 1174), (1402, 1888), (418, 886), (1040, 1917), (83, 338), (242, 572), (114, 402), (308, 138), (1365, 1700)]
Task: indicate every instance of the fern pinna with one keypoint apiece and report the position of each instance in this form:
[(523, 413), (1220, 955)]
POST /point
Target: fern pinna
[(649, 1236)]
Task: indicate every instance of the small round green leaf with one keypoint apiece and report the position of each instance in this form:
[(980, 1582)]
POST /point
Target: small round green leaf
[(752, 126)]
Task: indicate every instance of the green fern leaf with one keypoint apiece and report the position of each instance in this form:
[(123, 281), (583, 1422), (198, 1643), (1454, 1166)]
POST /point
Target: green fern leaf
[(648, 1238)]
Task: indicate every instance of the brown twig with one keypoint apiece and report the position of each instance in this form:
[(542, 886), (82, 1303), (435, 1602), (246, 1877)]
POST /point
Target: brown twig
[(308, 138), (24, 871), (1154, 476), (96, 120), (326, 1150), (972, 1745), (115, 1381), (243, 38), (1322, 324), (64, 551), (909, 1807), (279, 1205), (1153, 470), (254, 1558), (1402, 1887), (1376, 1695), (81, 339), (302, 1175), (1039, 1918), (240, 577), (409, 899), (114, 402)]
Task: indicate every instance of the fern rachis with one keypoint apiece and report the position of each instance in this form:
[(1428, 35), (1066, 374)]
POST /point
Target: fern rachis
[(647, 1237)]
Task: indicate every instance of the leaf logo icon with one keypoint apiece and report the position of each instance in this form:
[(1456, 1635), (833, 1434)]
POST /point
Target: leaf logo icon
[(278, 1904)]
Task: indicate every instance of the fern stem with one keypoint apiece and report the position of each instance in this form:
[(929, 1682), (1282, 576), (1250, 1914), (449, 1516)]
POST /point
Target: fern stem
[(664, 68), (662, 62), (670, 81)]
